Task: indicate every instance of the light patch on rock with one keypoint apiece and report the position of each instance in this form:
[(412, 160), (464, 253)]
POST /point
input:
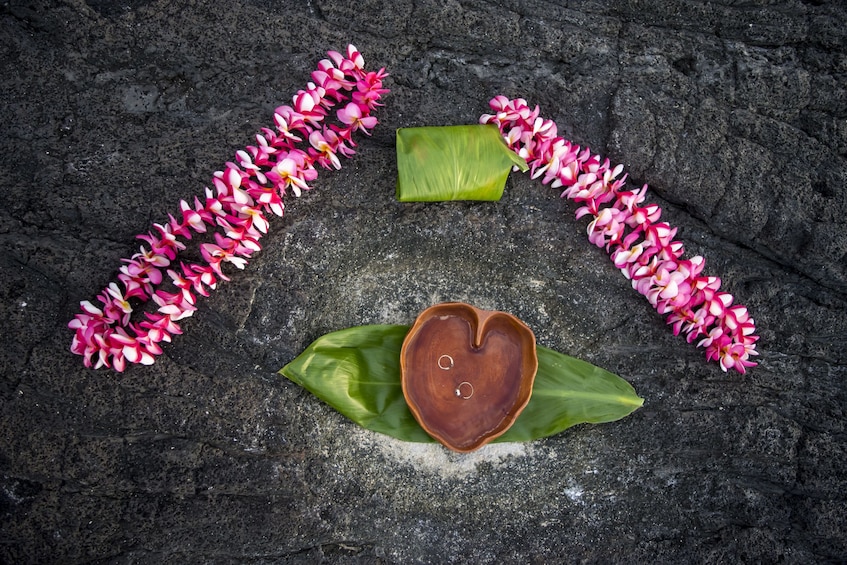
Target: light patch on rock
[(434, 458)]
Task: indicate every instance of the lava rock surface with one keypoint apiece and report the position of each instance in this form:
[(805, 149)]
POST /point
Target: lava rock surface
[(734, 113)]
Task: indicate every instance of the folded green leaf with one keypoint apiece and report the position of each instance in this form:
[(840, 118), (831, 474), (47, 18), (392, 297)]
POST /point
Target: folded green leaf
[(357, 372), (453, 163)]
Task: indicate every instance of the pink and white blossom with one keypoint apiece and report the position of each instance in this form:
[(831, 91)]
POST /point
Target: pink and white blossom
[(353, 116)]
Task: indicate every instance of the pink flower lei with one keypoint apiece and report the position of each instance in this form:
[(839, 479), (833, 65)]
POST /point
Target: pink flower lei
[(641, 246), (258, 181), (283, 159)]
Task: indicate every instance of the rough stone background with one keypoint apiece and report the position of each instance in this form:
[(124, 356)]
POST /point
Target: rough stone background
[(734, 112)]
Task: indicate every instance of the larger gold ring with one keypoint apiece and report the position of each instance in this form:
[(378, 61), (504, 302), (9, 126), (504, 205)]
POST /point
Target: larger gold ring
[(465, 393)]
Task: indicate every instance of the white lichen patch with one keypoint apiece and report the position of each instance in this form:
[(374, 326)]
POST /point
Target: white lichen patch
[(434, 458)]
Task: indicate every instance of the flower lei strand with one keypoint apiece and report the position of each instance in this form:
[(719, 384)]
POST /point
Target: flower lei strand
[(244, 194), (638, 244)]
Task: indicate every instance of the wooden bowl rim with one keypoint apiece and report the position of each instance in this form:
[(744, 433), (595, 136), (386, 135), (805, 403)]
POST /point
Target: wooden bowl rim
[(479, 319)]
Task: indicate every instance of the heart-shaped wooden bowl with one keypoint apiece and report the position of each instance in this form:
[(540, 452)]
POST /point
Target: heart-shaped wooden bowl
[(467, 373)]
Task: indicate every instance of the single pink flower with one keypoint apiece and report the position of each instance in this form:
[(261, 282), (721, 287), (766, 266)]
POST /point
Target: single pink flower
[(160, 327), (131, 349), (323, 149), (288, 121), (307, 103), (607, 227), (351, 62), (332, 80), (287, 173), (352, 115), (268, 197)]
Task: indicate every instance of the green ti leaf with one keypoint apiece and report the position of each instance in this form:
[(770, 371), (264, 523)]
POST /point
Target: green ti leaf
[(568, 391), (357, 372), (453, 163)]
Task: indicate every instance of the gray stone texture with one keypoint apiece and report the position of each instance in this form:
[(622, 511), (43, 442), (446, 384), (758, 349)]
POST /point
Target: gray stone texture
[(735, 113)]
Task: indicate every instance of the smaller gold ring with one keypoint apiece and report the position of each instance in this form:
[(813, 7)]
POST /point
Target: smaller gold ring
[(449, 360)]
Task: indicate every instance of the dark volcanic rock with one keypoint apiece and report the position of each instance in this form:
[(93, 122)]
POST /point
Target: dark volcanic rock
[(734, 113)]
